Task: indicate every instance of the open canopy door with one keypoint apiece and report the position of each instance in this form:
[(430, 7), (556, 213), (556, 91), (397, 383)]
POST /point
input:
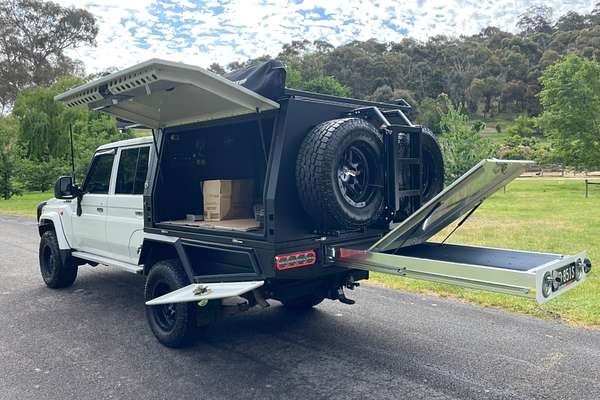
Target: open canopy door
[(159, 94), (459, 198)]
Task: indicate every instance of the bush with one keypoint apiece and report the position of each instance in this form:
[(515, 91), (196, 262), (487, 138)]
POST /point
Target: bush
[(461, 140), (525, 126), (498, 128), (39, 176)]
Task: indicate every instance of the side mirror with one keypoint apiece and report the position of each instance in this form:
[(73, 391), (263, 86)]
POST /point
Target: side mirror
[(64, 189)]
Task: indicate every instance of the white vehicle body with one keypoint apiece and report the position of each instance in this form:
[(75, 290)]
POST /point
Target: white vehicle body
[(110, 227)]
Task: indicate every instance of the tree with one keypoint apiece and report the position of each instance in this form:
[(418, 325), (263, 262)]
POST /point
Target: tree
[(571, 117), (572, 21), (486, 89), (41, 151), (320, 84), (461, 141), (8, 135), (33, 37), (216, 68), (535, 19), (524, 126)]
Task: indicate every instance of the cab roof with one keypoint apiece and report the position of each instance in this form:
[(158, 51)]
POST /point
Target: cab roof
[(126, 143)]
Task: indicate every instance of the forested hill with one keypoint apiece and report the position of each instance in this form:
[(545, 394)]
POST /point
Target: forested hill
[(489, 73)]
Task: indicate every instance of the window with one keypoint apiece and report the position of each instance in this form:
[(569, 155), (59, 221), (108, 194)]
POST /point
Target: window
[(98, 177), (131, 175)]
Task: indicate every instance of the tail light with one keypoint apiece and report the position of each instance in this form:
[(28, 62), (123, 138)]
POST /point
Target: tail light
[(294, 260)]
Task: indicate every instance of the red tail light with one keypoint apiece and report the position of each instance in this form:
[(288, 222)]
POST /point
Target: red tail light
[(294, 260)]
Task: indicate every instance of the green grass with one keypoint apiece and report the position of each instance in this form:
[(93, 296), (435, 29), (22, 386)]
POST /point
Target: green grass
[(25, 204), (534, 214)]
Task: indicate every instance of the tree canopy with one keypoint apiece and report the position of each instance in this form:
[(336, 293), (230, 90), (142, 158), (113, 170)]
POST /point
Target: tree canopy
[(571, 117), (33, 37)]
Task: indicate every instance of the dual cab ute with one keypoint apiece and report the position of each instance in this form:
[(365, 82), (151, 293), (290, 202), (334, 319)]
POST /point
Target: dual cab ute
[(249, 191)]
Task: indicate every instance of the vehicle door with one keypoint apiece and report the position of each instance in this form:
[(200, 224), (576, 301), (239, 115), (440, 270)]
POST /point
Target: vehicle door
[(125, 215), (89, 228)]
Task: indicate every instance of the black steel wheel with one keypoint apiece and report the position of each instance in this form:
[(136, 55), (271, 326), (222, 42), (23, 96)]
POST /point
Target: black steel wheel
[(56, 272), (355, 179), (339, 174), (172, 324)]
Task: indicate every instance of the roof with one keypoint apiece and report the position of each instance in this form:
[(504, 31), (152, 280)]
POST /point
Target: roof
[(125, 143)]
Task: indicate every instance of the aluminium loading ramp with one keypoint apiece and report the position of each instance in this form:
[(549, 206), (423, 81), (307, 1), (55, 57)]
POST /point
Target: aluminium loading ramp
[(405, 250)]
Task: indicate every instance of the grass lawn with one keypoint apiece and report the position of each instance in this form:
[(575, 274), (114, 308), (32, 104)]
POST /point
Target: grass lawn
[(534, 214), (24, 205)]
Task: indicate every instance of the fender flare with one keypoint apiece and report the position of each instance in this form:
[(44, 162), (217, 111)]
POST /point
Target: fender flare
[(51, 220)]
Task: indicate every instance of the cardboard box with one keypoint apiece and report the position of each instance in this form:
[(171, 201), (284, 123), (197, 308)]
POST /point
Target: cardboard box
[(227, 199)]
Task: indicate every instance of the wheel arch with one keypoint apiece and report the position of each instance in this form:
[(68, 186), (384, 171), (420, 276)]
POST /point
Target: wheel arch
[(51, 221), (154, 250)]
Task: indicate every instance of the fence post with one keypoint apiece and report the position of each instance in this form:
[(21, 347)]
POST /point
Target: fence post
[(586, 188)]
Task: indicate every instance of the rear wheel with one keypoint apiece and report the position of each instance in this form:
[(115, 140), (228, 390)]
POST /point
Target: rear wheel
[(56, 271), (172, 324)]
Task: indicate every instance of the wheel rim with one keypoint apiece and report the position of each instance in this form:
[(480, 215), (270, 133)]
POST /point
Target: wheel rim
[(165, 315), (355, 176), (48, 266)]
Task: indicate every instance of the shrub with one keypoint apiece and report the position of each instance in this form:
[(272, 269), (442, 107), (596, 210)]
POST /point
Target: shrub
[(461, 140)]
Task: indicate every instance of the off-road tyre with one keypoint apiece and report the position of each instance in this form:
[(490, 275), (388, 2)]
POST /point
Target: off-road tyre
[(303, 303), (433, 165), (174, 325), (330, 162), (56, 272)]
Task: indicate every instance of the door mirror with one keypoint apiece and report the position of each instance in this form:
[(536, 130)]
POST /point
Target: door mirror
[(64, 189)]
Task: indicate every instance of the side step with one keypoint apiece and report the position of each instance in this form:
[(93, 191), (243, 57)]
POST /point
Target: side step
[(134, 268), (206, 291)]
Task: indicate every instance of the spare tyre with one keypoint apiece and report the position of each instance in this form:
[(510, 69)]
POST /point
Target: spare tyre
[(433, 166), (339, 174)]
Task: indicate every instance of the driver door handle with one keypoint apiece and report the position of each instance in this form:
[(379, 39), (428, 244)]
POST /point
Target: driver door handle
[(100, 209)]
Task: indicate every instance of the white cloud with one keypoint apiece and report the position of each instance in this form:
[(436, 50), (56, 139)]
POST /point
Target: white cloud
[(201, 32)]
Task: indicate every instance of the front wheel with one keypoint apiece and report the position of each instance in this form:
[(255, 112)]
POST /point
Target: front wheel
[(172, 324), (56, 272)]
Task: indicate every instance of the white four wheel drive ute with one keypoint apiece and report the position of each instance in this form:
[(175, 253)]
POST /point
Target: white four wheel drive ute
[(249, 191)]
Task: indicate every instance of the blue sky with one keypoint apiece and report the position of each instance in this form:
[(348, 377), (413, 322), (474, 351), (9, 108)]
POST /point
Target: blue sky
[(204, 31)]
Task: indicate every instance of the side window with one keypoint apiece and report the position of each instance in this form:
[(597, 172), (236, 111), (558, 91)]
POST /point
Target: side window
[(98, 177), (131, 175)]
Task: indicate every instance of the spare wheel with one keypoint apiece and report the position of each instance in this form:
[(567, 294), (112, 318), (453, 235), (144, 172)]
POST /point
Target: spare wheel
[(339, 174), (433, 166)]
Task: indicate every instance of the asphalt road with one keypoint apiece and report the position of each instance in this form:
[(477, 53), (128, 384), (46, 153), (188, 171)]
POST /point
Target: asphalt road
[(91, 342)]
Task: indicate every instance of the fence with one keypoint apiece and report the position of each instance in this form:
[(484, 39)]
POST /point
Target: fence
[(587, 187)]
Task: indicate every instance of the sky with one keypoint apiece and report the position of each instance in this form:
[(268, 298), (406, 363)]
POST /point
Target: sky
[(201, 32)]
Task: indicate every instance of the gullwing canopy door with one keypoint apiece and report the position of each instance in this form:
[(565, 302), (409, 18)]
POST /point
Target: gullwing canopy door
[(160, 94)]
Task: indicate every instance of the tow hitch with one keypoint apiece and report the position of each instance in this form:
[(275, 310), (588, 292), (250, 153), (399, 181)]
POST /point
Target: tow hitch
[(340, 295)]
